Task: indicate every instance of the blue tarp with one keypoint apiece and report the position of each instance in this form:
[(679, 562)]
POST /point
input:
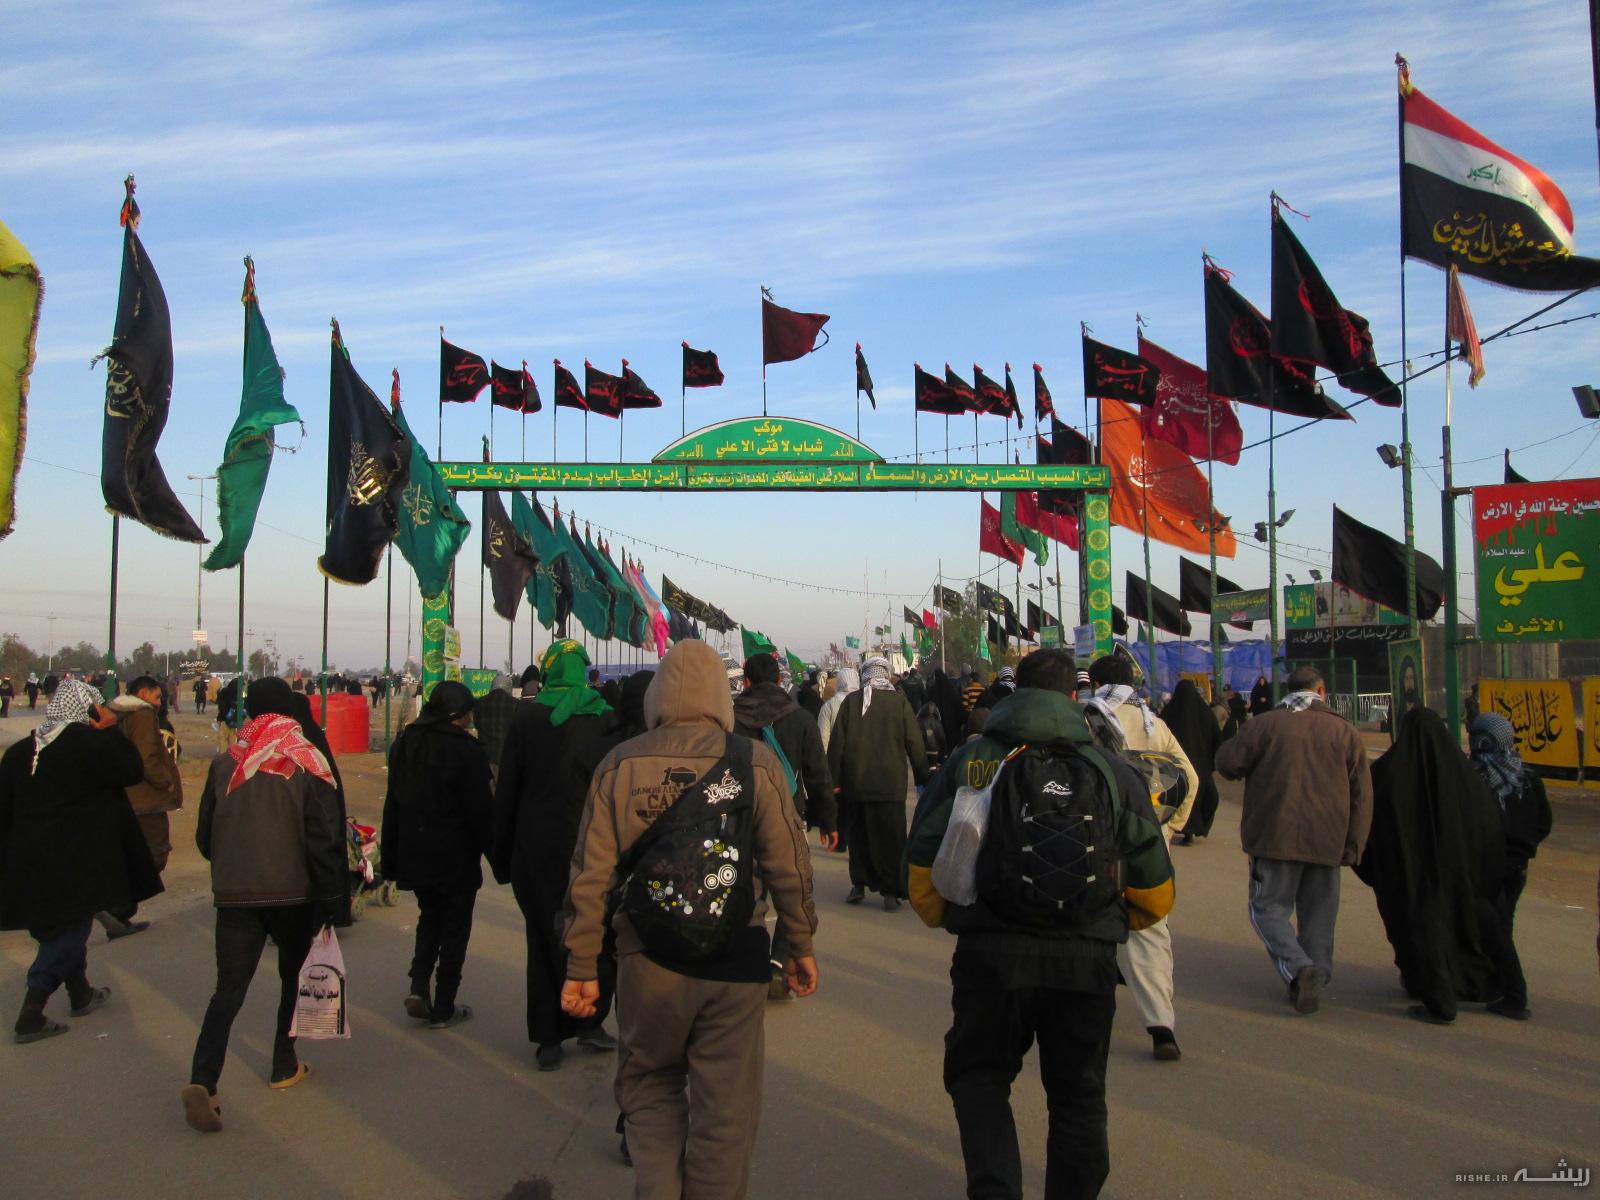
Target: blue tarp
[(1242, 662)]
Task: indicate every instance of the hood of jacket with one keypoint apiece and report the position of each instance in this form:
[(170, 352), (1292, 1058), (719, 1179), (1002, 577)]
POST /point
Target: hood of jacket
[(690, 685), (1039, 718), (127, 704), (759, 706)]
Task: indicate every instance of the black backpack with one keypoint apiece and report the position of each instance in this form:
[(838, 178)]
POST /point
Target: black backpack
[(688, 883), (1049, 856)]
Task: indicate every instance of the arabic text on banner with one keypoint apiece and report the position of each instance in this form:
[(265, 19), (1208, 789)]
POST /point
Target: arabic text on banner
[(1541, 713), (1535, 550)]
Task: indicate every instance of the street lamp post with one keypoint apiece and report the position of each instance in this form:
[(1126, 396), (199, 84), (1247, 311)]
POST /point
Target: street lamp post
[(200, 552)]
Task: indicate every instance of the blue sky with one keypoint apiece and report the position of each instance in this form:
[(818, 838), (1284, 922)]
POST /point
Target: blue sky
[(948, 181)]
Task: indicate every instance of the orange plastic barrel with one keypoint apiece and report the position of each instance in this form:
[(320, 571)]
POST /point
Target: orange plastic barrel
[(347, 723)]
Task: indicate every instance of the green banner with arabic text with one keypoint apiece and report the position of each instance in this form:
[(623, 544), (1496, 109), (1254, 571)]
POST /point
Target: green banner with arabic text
[(1536, 544)]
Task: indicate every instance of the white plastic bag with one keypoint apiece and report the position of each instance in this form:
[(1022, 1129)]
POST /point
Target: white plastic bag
[(955, 867), (319, 1012)]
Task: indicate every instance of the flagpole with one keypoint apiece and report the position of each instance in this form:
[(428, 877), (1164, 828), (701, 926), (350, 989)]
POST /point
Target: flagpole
[(388, 636), (1452, 615), (1272, 545), (975, 435), (244, 673), (322, 675), (111, 642), (621, 417), (947, 437), (1149, 595), (1211, 525), (440, 456), (683, 411), (1405, 362), (944, 618), (483, 571)]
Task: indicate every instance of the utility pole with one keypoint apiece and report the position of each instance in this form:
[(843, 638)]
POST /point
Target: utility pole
[(200, 552)]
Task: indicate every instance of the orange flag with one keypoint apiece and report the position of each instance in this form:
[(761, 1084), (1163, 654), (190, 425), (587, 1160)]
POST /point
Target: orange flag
[(1147, 472)]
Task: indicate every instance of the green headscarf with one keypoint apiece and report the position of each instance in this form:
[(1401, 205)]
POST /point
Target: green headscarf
[(565, 689)]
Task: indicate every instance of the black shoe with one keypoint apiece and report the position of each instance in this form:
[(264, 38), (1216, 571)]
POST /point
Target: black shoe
[(550, 1058), (857, 894), (596, 1039), (125, 929), (32, 1025), (1164, 1044), (417, 1007), (1419, 1012), (1505, 1008), (891, 904), (1306, 991)]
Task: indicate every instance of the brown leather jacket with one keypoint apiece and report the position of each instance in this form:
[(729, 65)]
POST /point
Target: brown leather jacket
[(688, 710)]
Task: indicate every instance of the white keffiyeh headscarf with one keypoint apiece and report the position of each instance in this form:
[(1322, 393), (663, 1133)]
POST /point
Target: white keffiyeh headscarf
[(874, 678), (70, 705), (1299, 701), (1114, 695), (846, 681)]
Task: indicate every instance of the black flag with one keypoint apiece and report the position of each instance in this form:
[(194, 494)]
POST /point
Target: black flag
[(636, 393), (933, 395), (462, 374), (700, 368), (993, 601), (369, 465), (515, 390), (138, 395), (568, 393), (1043, 405), (912, 618), (1113, 374), (1372, 564), (511, 561), (864, 379), (993, 631), (1240, 362), (946, 599), (1119, 622), (1194, 589), (602, 391), (961, 390), (1309, 323), (1164, 613), (1511, 474)]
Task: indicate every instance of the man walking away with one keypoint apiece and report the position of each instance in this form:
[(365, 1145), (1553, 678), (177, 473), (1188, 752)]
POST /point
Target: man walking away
[(1038, 962), (1146, 957), (809, 697), (763, 712), (436, 828), (689, 1025), (269, 825), (1307, 811), (33, 690), (69, 847), (875, 736), (200, 692), (159, 793)]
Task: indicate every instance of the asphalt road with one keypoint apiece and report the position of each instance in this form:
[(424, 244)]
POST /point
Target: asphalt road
[(1355, 1101)]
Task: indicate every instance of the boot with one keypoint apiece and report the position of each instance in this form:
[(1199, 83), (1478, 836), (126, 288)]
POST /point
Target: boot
[(32, 1025), (84, 996)]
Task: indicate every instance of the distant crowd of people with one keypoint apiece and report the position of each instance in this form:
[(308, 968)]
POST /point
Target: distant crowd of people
[(647, 825)]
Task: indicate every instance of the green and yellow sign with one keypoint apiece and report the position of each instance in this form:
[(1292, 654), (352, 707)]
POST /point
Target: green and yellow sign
[(1536, 545), (774, 476), (768, 439)]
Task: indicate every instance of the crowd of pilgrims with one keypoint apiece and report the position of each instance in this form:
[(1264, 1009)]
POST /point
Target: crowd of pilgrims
[(505, 777)]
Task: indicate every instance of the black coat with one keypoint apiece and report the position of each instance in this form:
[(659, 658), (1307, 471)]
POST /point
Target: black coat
[(436, 813), (796, 732), (545, 772), (70, 845)]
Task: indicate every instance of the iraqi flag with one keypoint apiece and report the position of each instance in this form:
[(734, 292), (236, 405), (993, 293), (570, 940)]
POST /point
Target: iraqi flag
[(1468, 202)]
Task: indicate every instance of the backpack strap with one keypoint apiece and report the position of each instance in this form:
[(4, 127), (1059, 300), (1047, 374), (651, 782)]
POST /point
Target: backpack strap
[(783, 759), (1093, 754)]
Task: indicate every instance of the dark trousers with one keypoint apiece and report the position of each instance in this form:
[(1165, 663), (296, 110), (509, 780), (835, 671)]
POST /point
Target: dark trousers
[(241, 934), (444, 925), (877, 841), (994, 1028), (63, 955), (847, 820), (547, 971), (1495, 918)]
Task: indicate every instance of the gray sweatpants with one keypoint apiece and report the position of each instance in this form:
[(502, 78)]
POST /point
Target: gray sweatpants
[(688, 1080), (1310, 893)]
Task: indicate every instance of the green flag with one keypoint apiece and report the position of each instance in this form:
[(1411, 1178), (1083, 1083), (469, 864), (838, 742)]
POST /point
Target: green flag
[(983, 646), (905, 650), (432, 525), (242, 477), (1011, 528), (628, 615), (591, 599), (852, 643), (756, 642), (797, 669), (541, 587)]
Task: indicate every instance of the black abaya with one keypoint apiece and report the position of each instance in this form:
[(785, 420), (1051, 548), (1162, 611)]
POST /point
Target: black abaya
[(1195, 726), (1435, 851)]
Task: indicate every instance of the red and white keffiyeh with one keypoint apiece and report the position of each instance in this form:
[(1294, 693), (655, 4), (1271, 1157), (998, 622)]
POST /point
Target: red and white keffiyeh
[(273, 743)]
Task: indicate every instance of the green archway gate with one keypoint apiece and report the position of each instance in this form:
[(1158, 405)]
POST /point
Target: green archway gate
[(785, 454)]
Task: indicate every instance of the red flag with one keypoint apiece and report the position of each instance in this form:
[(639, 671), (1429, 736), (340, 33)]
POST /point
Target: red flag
[(1060, 527), (1178, 415), (1460, 327), (787, 335), (991, 540), (929, 621)]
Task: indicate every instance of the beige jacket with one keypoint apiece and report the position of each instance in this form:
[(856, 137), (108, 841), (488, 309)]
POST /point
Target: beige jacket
[(1160, 738), (687, 712)]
